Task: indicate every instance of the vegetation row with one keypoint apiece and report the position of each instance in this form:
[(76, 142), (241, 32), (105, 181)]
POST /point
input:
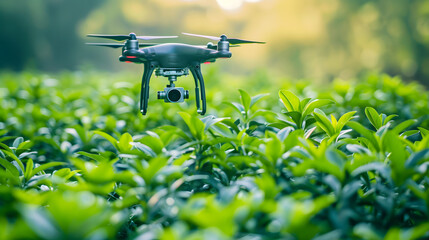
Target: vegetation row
[(347, 161)]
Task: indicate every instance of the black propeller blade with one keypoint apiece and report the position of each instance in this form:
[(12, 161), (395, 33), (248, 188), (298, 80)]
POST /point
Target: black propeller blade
[(203, 36), (118, 45), (214, 47), (131, 36), (112, 45), (230, 40)]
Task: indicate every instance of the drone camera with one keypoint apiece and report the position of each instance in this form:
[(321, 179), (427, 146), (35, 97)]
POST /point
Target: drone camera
[(173, 94)]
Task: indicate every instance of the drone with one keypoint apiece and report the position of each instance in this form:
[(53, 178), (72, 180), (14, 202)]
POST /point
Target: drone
[(171, 60)]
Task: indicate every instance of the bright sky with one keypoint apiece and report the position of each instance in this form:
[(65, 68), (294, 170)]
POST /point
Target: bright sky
[(233, 4)]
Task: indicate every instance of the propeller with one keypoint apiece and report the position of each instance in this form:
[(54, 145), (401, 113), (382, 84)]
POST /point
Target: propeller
[(118, 45), (131, 36), (230, 40)]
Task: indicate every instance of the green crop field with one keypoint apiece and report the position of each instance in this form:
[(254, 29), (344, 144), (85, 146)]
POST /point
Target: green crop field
[(293, 160)]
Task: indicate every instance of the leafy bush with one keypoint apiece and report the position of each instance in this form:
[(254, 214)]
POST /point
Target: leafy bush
[(77, 161)]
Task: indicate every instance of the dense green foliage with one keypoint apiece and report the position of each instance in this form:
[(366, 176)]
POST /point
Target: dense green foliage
[(78, 161)]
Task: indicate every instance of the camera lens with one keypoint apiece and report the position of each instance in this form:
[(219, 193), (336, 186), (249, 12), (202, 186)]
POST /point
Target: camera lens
[(174, 95), (161, 95)]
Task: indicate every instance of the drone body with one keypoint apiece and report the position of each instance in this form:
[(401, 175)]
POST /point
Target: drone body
[(174, 55), (171, 60)]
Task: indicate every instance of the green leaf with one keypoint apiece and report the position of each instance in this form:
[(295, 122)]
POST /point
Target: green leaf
[(366, 231), (309, 132), (45, 166), (17, 141), (403, 125), (388, 118), (424, 132), (28, 169), (417, 232), (153, 141), (211, 120), (145, 149), (296, 117), (3, 132), (15, 180), (292, 139), (324, 122), (240, 160), (14, 157), (155, 164), (25, 145), (273, 148), (5, 147), (374, 118), (398, 156), (65, 173), (419, 191), (195, 125), (237, 106), (245, 100), (228, 122), (268, 185), (96, 157), (263, 113), (416, 158), (373, 166), (257, 98), (290, 101), (334, 121), (125, 142), (318, 103), (335, 157), (366, 133), (40, 221), (109, 138), (303, 104), (409, 133), (344, 120), (9, 166), (381, 131)]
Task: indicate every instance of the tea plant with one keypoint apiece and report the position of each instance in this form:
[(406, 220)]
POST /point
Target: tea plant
[(347, 162)]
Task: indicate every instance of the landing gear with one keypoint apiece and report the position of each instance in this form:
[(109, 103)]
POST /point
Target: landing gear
[(171, 93)]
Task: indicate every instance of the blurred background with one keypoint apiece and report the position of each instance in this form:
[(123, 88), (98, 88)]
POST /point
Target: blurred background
[(306, 39)]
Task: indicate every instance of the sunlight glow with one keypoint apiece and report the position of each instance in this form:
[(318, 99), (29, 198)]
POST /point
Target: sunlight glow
[(230, 4), (233, 4)]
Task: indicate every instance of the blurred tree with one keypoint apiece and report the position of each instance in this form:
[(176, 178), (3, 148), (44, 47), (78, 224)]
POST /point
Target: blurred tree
[(306, 39), (42, 34)]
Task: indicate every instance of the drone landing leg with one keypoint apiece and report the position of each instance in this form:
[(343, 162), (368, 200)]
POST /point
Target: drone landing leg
[(196, 72), (144, 94), (197, 89), (142, 91)]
